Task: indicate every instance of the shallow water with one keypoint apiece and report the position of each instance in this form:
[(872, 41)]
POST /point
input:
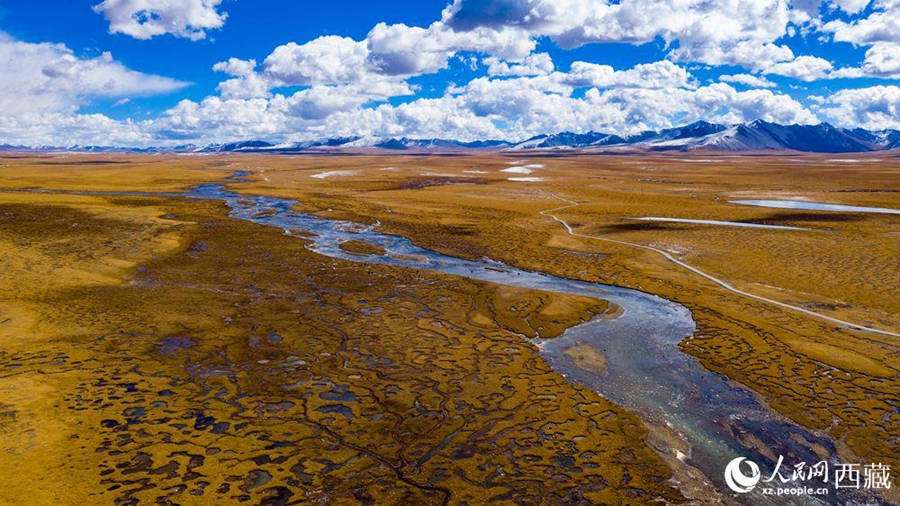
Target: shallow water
[(646, 371), (722, 223), (814, 206)]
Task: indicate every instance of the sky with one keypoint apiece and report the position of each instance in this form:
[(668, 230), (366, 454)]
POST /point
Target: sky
[(175, 72)]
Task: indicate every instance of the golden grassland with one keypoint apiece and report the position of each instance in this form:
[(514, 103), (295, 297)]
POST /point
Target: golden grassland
[(844, 383), (361, 248), (134, 328), (156, 351)]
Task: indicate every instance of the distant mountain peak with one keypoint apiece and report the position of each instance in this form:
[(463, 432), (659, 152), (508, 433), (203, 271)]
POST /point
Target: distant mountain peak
[(757, 135)]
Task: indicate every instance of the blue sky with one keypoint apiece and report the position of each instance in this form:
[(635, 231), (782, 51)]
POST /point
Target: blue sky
[(253, 29), (141, 72)]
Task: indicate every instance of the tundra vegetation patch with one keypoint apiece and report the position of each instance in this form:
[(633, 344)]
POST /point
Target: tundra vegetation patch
[(153, 349)]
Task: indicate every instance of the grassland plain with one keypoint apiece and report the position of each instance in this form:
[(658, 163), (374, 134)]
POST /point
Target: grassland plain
[(841, 382), (156, 351)]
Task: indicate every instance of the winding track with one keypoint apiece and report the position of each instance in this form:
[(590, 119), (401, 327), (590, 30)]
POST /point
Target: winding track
[(723, 284)]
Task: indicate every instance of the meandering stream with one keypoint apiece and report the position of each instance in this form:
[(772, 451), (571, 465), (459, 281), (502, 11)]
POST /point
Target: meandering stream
[(646, 370)]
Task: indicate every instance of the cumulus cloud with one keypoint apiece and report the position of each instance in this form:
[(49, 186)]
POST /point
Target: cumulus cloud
[(336, 72), (325, 60), (405, 51), (43, 86), (745, 33), (236, 67), (319, 102), (875, 108), (871, 24), (736, 32), (424, 118), (486, 107), (747, 80), (247, 83), (55, 129), (803, 68), (881, 25), (341, 86), (850, 6), (883, 60), (661, 74), (45, 77), (533, 65), (145, 19), (215, 118)]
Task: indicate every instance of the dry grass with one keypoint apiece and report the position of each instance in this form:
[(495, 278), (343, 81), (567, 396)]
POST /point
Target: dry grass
[(421, 342), (237, 365)]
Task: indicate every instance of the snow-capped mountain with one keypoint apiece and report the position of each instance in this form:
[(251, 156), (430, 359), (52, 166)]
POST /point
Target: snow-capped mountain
[(761, 135), (405, 143), (754, 136), (883, 139), (568, 140)]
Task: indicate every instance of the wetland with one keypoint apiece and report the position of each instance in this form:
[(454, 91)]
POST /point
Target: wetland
[(395, 336)]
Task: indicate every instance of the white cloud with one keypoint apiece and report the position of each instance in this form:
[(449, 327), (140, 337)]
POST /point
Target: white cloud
[(745, 54), (744, 33), (533, 65), (64, 129), (803, 68), (343, 72), (520, 108), (511, 108), (424, 118), (319, 102), (43, 85), (247, 83), (519, 99), (45, 77), (748, 80), (335, 70), (742, 106), (325, 60), (883, 60), (406, 50), (340, 74), (236, 67), (738, 32), (661, 74), (402, 50), (850, 6), (875, 108), (879, 29), (216, 119), (145, 19), (882, 25), (654, 95), (344, 83)]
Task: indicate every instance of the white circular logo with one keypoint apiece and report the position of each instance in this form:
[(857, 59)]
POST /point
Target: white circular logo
[(737, 480)]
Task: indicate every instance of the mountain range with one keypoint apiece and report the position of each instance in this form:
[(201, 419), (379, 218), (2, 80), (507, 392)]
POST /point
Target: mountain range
[(754, 136)]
